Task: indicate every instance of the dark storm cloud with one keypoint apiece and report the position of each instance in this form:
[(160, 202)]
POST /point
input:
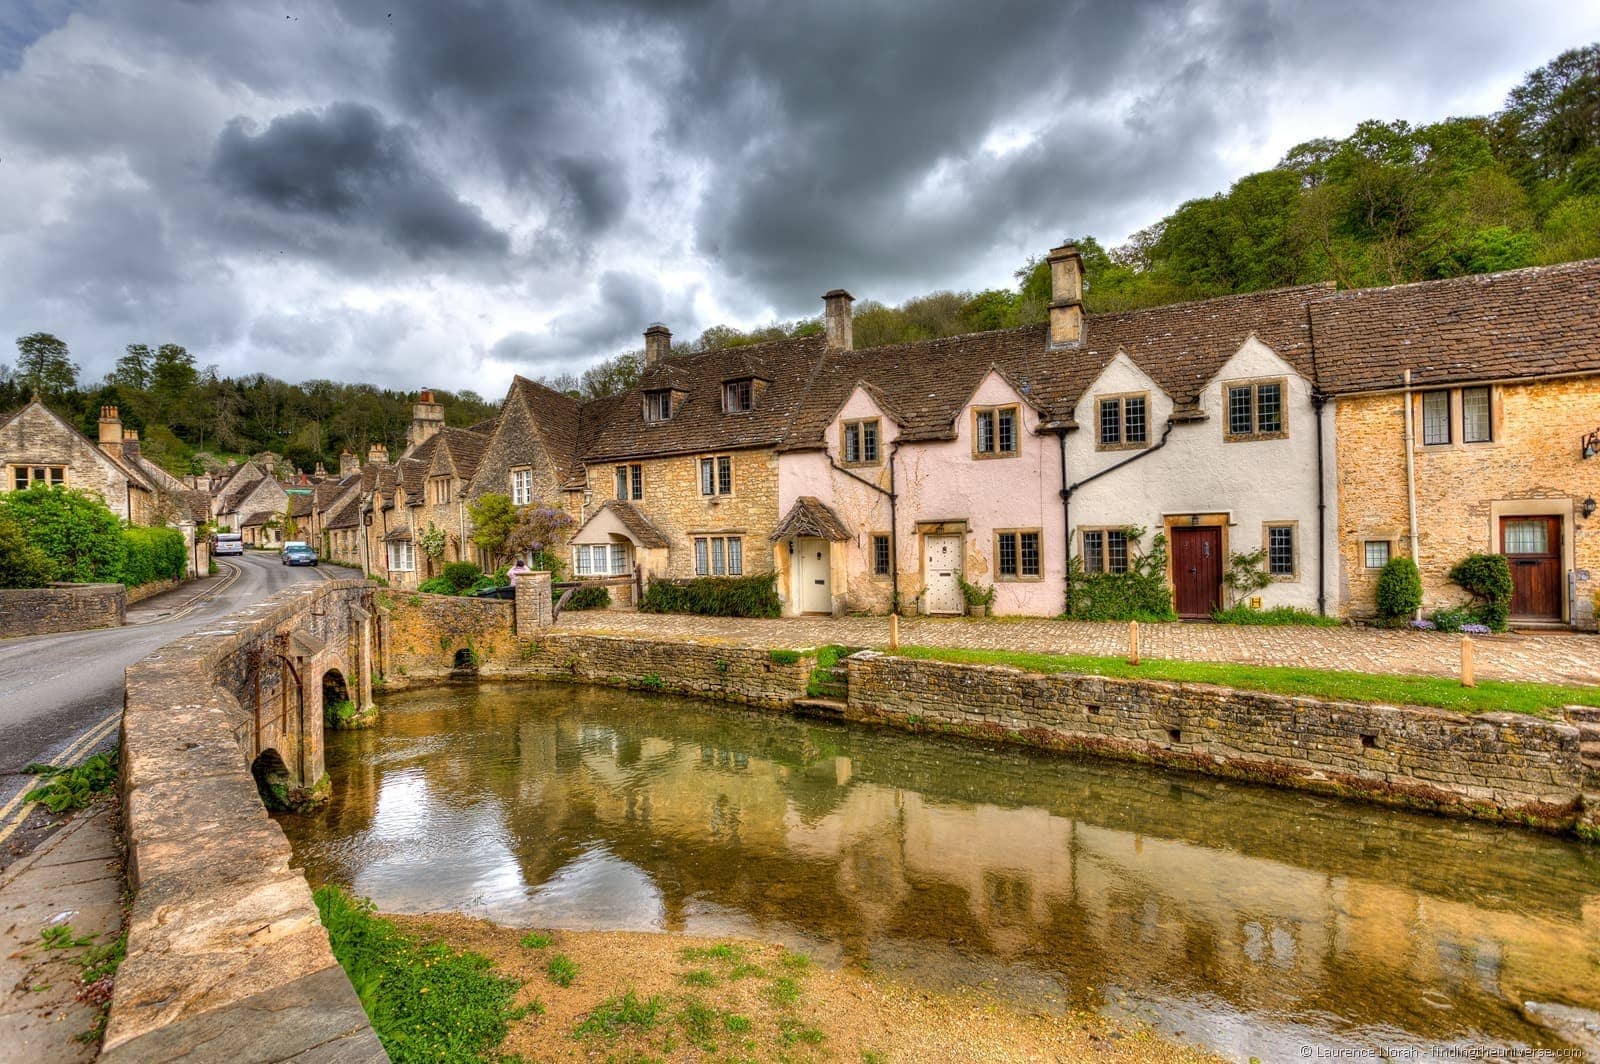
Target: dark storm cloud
[(346, 169), (614, 320)]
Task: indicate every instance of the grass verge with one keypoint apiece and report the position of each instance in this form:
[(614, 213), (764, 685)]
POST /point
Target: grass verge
[(1434, 691), (425, 1001)]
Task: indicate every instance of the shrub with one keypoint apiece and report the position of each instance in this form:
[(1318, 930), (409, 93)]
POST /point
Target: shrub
[(1140, 594), (461, 575), (76, 531), (1452, 618), (715, 596), (976, 594), (1399, 589), (591, 597), (1277, 616), (784, 657), (21, 563), (1488, 578), (437, 585), (152, 554)]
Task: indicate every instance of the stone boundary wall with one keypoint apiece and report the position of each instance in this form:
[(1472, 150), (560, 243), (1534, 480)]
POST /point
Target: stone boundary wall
[(151, 590), (227, 958), (1496, 766), (61, 608), (421, 635)]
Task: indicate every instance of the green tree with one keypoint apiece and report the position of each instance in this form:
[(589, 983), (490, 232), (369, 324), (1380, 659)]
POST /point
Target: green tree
[(79, 534), (493, 517), (133, 368), (44, 364), (173, 377)]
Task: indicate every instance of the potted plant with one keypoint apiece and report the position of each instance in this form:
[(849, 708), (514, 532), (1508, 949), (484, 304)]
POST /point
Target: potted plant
[(979, 599)]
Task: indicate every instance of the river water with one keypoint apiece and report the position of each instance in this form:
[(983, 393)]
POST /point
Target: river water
[(1254, 921)]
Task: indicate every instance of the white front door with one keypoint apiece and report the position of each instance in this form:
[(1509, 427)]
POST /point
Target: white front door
[(811, 574), (942, 566)]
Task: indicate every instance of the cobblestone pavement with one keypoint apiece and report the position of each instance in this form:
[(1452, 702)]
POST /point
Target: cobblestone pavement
[(1568, 658)]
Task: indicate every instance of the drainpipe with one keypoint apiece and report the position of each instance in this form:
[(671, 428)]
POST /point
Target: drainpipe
[(1066, 519), (1066, 493), (1318, 400), (894, 536), (1411, 480)]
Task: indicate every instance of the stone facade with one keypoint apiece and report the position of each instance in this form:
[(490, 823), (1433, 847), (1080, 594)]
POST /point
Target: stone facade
[(1531, 467), (1495, 766), (35, 437), (62, 608)]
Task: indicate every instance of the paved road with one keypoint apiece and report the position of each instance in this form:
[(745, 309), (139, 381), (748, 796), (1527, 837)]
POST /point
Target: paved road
[(63, 693)]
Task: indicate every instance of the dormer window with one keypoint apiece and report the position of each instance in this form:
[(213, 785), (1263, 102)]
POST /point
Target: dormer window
[(994, 431), (658, 405), (738, 396)]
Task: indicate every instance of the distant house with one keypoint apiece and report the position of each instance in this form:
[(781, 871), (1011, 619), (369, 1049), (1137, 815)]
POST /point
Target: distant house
[(39, 446), (1468, 421)]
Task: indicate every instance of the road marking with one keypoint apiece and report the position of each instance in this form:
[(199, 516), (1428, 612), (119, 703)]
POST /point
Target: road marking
[(15, 812), (226, 582)]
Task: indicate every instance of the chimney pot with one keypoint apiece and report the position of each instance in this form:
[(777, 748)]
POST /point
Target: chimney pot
[(110, 431), (1066, 296), (836, 319), (348, 463), (657, 343), (377, 453)]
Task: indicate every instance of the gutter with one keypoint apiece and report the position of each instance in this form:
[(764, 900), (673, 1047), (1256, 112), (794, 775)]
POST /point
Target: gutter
[(1066, 493)]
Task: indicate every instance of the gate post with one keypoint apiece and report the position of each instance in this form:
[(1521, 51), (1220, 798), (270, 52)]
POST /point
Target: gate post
[(535, 608), (363, 625)]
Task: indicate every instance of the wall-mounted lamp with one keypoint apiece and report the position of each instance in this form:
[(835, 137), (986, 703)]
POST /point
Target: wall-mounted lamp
[(1591, 444), (1588, 506)]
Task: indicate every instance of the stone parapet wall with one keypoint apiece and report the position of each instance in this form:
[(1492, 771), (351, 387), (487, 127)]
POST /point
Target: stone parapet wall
[(151, 590), (61, 608), (1496, 766), (226, 956)]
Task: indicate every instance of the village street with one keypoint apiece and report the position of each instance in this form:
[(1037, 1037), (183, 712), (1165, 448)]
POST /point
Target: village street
[(62, 694)]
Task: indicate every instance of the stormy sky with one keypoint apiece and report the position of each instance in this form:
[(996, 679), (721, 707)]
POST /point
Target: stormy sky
[(415, 193)]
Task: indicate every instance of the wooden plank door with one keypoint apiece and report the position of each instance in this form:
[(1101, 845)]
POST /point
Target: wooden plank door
[(1197, 571), (942, 570), (1533, 547)]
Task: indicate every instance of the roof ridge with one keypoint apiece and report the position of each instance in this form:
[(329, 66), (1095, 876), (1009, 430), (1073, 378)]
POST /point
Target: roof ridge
[(1466, 279)]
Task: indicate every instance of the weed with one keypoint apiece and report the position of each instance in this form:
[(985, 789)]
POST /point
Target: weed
[(784, 657), (699, 977), (737, 1024), (784, 991), (796, 962), (722, 951), (746, 971), (872, 1056), (535, 940), (652, 682), (61, 937), (101, 962), (562, 970), (620, 1015), (73, 788), (699, 1023), (792, 1031)]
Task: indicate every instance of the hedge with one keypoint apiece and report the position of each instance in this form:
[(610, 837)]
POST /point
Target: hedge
[(153, 554), (1399, 589), (591, 597), (715, 596), (21, 563)]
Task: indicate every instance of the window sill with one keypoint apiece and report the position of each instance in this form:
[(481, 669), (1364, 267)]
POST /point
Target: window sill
[(1122, 446), (982, 456), (1254, 437), (1019, 579)]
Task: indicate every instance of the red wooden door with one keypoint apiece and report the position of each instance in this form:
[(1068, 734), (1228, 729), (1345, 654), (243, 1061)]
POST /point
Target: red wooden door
[(1533, 547), (1197, 570)]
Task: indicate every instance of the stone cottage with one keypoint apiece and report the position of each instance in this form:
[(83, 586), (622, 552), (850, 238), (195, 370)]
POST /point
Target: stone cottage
[(39, 446)]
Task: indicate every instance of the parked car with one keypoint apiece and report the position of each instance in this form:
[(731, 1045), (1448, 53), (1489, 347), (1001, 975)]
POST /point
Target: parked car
[(505, 591), (227, 543), (297, 553)]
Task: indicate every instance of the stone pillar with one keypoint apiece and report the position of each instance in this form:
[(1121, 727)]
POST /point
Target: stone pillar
[(534, 603), (362, 621)]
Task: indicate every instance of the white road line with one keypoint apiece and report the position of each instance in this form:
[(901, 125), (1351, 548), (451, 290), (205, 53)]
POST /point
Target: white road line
[(11, 816)]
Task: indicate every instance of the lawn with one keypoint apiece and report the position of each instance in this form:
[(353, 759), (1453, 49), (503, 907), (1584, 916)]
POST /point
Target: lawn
[(1435, 691)]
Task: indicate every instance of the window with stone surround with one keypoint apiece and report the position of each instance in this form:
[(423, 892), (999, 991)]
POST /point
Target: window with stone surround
[(439, 490), (521, 487), (1255, 410), (402, 557), (1376, 553), (1123, 422), (602, 559), (1016, 554), (880, 554), (738, 396), (658, 405), (1283, 549), (716, 475), (718, 556), (994, 431), (859, 442), (1435, 419), (630, 482), (1105, 550), (24, 477), (1477, 422)]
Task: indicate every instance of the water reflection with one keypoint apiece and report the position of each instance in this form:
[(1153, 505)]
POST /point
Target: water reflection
[(1251, 919)]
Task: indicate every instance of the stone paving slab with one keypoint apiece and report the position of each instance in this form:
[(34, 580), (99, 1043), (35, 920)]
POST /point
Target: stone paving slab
[(74, 877), (1564, 658)]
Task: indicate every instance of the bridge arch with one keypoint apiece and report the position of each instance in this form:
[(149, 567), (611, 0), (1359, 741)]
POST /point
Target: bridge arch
[(273, 780)]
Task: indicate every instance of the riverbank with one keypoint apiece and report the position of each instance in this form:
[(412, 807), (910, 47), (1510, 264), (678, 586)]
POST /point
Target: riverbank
[(749, 1000)]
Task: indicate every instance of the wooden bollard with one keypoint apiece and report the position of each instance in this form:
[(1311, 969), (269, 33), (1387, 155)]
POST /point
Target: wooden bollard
[(1133, 642), (1467, 679), (894, 631)]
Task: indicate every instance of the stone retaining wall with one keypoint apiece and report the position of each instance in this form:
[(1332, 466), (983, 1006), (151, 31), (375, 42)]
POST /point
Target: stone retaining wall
[(227, 958), (152, 589), (1497, 766), (61, 608)]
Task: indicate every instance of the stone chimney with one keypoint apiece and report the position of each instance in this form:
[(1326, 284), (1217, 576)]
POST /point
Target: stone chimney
[(348, 463), (110, 431), (130, 443), (377, 453), (657, 343), (1066, 296), (427, 418), (836, 318), (320, 471)]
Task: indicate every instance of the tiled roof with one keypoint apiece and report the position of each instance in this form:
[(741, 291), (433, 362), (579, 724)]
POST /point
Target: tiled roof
[(413, 471), (260, 517), (300, 504), (466, 449), (1536, 322), (347, 515), (592, 417), (557, 418), (810, 516), (231, 504), (638, 526), (698, 423)]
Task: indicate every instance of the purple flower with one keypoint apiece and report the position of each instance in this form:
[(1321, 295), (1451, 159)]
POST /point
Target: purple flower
[(1423, 626), (1476, 629)]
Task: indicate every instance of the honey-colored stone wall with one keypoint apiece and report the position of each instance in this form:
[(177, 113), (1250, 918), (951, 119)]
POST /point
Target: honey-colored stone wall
[(673, 503), (61, 608), (35, 437), (1531, 467)]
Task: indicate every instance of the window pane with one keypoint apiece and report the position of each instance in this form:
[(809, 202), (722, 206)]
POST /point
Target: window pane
[(1269, 408), (985, 431), (1435, 417), (622, 482), (1240, 421), (1030, 554), (1116, 551), (1135, 429), (580, 561), (1377, 551), (880, 555), (1008, 431), (1110, 421), (638, 482), (1475, 427), (707, 473), (852, 443), (725, 476), (735, 556), (1527, 537), (1280, 550), (619, 559), (1007, 547), (869, 441), (718, 560), (1094, 552), (700, 557)]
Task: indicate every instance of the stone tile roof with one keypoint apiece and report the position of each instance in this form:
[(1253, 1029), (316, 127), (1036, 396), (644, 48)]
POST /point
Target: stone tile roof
[(412, 472), (300, 504), (1540, 321), (231, 503), (257, 519), (810, 516), (347, 515), (638, 526), (592, 416), (698, 423), (558, 420)]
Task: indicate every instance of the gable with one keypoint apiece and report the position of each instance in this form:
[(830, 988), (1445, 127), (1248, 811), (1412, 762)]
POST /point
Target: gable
[(1254, 359), (1119, 376), (38, 435)]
